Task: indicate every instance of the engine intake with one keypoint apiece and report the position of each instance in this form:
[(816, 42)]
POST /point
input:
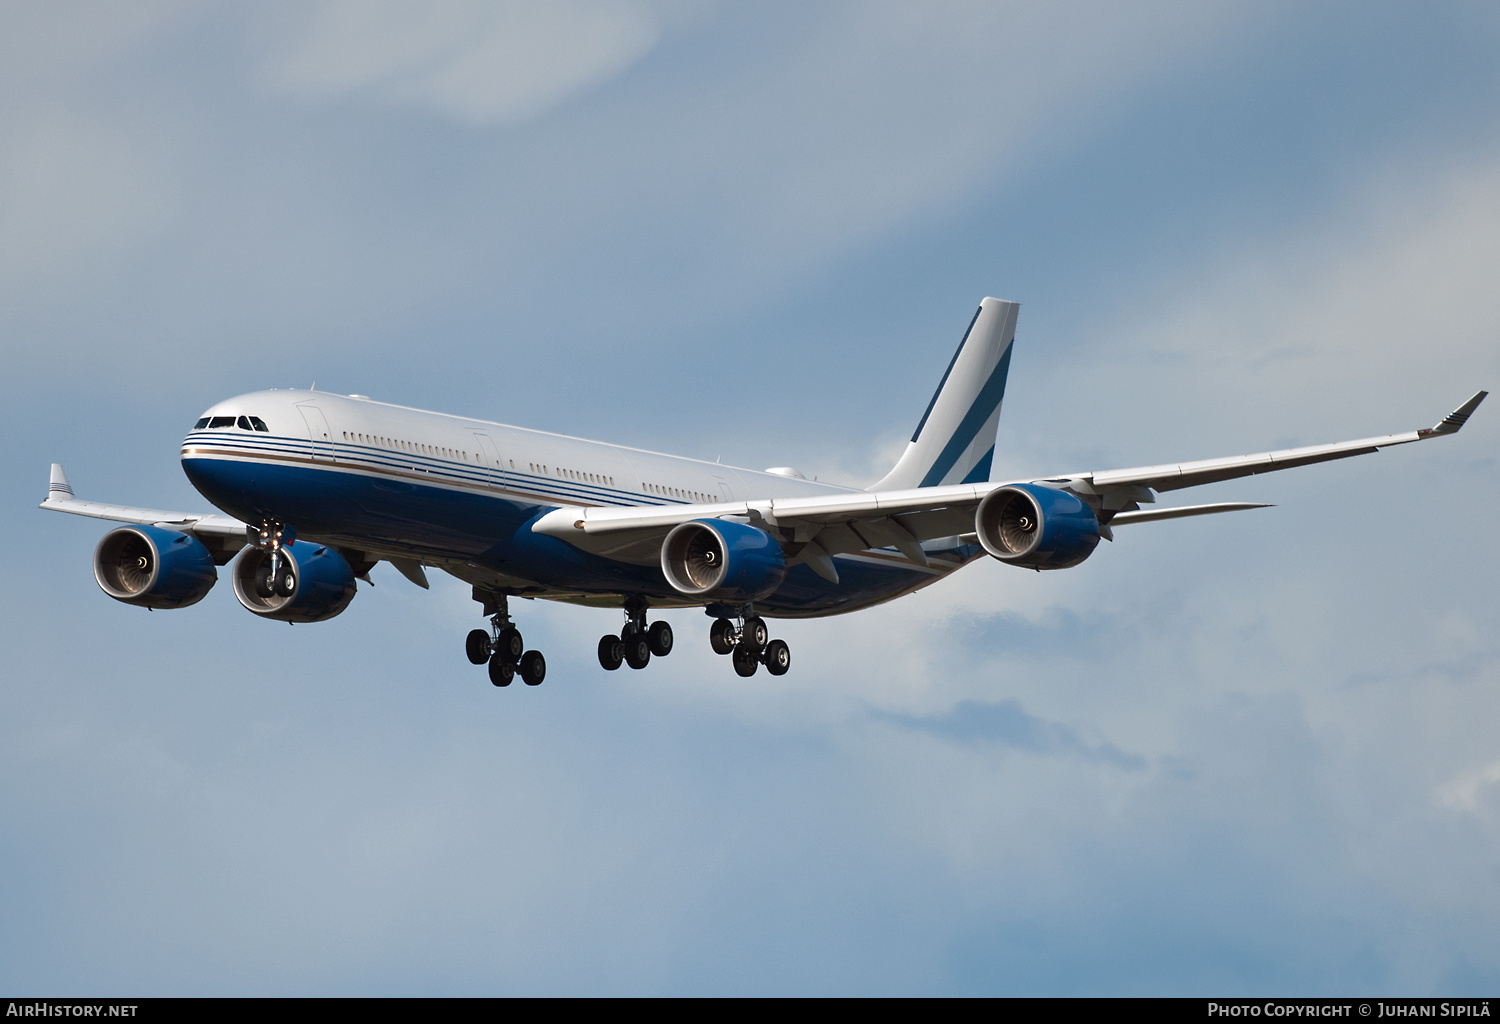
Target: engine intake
[(154, 567), (322, 583), (1037, 527), (722, 560)]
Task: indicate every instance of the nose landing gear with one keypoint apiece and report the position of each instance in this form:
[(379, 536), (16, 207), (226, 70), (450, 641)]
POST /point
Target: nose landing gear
[(275, 577), (502, 647), (749, 644)]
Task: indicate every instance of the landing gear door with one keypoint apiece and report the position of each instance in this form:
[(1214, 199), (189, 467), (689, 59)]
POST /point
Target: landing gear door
[(317, 432), (491, 457)]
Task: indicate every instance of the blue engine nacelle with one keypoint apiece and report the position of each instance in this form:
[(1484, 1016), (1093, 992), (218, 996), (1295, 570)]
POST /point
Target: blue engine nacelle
[(322, 583), (154, 567), (722, 560), (1038, 527)]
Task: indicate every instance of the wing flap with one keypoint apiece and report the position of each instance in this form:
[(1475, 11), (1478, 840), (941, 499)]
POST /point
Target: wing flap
[(1182, 511)]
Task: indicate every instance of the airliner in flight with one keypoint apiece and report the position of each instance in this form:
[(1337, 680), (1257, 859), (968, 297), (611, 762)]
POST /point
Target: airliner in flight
[(316, 488)]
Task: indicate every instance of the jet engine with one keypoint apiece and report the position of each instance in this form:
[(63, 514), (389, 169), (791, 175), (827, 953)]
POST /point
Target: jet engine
[(154, 567), (1036, 527), (314, 583), (722, 560)]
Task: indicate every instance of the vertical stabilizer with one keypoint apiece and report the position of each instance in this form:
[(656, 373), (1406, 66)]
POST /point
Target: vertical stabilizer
[(955, 440)]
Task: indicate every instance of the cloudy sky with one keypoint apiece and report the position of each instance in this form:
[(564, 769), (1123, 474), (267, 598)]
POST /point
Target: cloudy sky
[(1245, 754)]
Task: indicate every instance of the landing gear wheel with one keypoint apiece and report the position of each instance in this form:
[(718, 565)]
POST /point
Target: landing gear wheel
[(755, 633), (721, 636), (778, 657), (659, 636), (286, 582), (509, 644), (501, 671), (611, 652), (745, 661), (477, 646), (637, 651), (263, 585), (533, 668)]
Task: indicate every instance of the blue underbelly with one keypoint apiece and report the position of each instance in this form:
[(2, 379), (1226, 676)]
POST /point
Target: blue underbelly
[(358, 511)]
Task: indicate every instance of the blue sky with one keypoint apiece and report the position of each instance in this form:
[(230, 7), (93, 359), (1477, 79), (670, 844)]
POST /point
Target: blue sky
[(1245, 754)]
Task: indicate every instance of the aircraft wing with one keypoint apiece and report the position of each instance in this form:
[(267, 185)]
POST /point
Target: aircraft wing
[(827, 525), (60, 499), (1207, 471)]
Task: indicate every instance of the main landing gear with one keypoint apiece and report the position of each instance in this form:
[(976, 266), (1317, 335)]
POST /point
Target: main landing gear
[(637, 641), (749, 645), (501, 646)]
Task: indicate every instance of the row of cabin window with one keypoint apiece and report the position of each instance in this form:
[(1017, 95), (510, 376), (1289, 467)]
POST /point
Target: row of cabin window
[(243, 422), (677, 492), (409, 446), (538, 469)]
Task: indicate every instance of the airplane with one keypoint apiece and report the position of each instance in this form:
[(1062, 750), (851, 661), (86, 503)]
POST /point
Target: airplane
[(316, 488)]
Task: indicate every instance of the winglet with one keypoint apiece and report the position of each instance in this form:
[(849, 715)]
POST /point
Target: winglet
[(58, 488), (1456, 419)]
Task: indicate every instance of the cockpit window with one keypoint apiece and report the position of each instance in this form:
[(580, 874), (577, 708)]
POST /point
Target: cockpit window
[(260, 424), (201, 423), (220, 421), (244, 423)]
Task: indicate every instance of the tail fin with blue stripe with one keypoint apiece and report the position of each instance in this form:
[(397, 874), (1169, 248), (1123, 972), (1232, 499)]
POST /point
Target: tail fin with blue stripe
[(955, 441)]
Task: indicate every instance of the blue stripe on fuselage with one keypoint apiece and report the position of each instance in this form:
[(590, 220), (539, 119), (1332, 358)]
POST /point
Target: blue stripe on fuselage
[(354, 509), (371, 457)]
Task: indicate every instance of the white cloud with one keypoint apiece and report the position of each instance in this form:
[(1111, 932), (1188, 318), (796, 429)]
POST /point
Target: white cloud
[(1462, 793), (473, 61), (1380, 315)]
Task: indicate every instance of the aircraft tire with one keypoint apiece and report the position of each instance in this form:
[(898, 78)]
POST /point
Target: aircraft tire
[(501, 671), (533, 668), (611, 652), (637, 651), (263, 585), (745, 661), (755, 634), (721, 636), (659, 636), (778, 657), (477, 646), (509, 645)]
